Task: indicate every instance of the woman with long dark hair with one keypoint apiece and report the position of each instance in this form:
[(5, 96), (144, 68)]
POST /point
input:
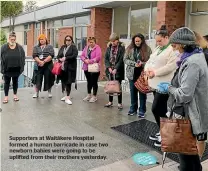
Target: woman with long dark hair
[(137, 54), (67, 55), (43, 54)]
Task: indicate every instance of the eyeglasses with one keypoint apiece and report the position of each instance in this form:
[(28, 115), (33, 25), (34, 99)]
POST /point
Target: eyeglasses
[(68, 39), (12, 39)]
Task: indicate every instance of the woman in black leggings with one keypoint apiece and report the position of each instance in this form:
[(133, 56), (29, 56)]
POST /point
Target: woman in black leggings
[(12, 65), (67, 55), (91, 55)]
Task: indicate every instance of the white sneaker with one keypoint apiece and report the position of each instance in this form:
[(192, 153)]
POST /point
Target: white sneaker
[(93, 99), (69, 102), (50, 95), (35, 95), (63, 98), (87, 98)]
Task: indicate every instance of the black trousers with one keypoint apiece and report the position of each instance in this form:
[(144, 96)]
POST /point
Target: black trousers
[(190, 163), (92, 82), (49, 78), (159, 106), (7, 80)]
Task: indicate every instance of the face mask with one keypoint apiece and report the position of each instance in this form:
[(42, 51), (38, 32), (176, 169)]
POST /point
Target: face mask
[(176, 52)]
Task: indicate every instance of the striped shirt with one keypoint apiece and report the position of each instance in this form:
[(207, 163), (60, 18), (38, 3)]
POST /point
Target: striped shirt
[(47, 51)]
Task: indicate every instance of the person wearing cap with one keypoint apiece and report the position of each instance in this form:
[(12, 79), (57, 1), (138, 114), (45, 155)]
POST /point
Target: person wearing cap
[(115, 65), (12, 65), (188, 90), (43, 54)]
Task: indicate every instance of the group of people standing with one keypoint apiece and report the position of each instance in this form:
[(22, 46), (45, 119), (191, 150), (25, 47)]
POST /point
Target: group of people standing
[(177, 71)]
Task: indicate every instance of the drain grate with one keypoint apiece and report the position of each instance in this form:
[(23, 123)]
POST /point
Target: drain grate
[(142, 129)]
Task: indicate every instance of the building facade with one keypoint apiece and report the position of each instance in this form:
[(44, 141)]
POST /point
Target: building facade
[(83, 19)]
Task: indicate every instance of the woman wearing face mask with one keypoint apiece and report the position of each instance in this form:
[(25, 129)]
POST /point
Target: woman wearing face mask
[(67, 55), (114, 65), (160, 68), (12, 65), (188, 90), (91, 54), (137, 54), (43, 54)]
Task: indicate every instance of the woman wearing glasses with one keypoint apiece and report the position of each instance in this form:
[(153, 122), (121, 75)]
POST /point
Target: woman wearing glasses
[(160, 68), (91, 55), (67, 55)]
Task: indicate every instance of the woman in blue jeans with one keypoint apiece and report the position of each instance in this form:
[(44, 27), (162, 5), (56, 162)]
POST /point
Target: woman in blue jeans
[(137, 54)]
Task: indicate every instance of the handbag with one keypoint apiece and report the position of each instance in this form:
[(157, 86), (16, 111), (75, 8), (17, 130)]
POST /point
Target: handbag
[(112, 87), (177, 136), (142, 83), (56, 68), (93, 67)]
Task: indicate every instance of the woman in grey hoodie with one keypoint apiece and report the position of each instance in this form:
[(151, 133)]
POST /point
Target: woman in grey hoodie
[(188, 89)]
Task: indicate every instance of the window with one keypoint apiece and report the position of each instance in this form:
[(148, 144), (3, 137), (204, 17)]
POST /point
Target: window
[(68, 22), (57, 23), (83, 20), (37, 33), (26, 28), (121, 22), (199, 6), (140, 19), (54, 37), (135, 21), (81, 37)]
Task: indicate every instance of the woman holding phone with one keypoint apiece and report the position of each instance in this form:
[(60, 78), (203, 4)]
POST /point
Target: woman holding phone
[(137, 54)]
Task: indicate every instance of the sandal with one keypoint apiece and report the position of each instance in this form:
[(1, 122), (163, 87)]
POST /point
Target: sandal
[(16, 99), (5, 101)]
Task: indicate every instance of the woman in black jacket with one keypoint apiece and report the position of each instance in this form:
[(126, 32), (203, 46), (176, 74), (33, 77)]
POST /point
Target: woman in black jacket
[(43, 54), (67, 55), (114, 65), (12, 65)]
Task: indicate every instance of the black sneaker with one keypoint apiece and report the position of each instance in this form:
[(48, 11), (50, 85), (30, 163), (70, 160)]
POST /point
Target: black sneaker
[(141, 115), (157, 143), (154, 137)]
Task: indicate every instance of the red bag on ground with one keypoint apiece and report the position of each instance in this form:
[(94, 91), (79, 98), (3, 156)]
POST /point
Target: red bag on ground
[(56, 68)]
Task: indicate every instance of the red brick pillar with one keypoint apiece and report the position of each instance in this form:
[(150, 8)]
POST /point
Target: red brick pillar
[(171, 13), (101, 29), (30, 39)]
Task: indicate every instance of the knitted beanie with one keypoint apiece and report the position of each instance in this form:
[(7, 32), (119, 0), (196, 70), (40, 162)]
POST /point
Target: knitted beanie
[(113, 37), (183, 36)]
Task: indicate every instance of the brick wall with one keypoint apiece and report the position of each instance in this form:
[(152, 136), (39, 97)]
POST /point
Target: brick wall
[(62, 34), (30, 40), (101, 29), (171, 13)]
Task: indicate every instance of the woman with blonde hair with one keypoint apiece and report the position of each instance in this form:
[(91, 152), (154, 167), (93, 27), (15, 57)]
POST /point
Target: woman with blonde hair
[(203, 43)]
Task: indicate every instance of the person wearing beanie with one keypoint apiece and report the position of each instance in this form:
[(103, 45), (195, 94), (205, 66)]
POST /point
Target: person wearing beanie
[(12, 65), (160, 68), (114, 65), (43, 54), (188, 89)]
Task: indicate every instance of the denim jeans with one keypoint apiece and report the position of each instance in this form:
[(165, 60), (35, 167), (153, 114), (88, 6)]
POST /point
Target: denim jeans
[(134, 99)]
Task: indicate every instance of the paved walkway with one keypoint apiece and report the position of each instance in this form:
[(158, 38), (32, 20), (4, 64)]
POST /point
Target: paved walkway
[(51, 117)]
